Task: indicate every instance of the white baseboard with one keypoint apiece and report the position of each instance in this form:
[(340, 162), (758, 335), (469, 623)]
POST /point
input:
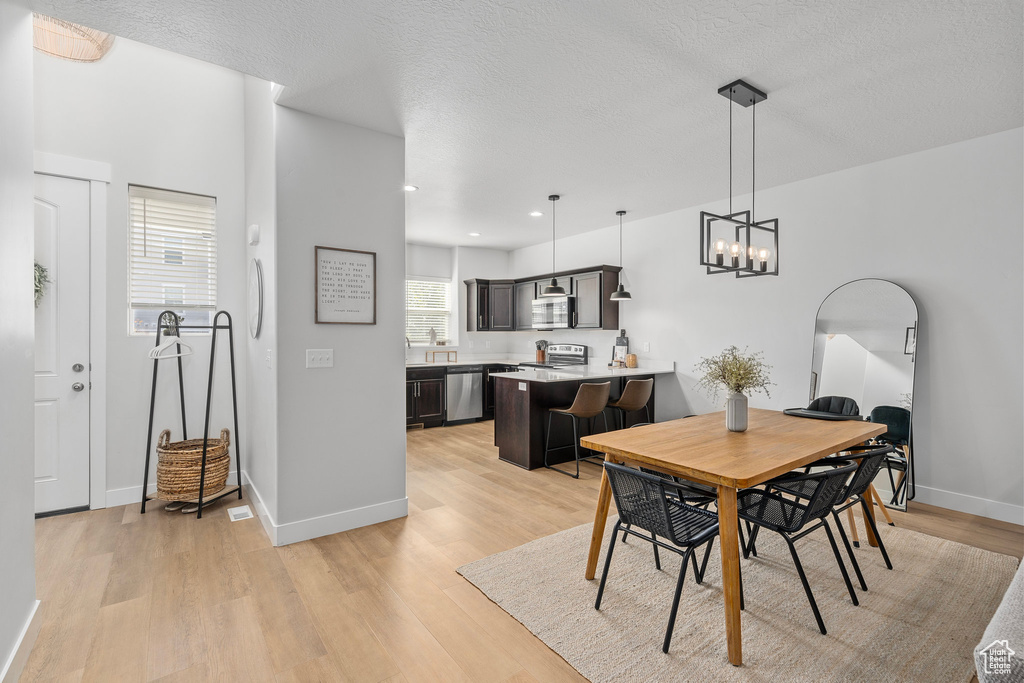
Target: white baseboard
[(292, 532), (336, 522), (15, 663), (261, 510), (132, 495), (1004, 512)]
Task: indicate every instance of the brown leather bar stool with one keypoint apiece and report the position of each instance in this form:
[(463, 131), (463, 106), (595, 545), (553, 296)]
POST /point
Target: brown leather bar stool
[(634, 397), (590, 401)]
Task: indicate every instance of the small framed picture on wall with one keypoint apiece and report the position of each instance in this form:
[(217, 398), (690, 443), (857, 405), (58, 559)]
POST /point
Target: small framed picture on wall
[(346, 286), (910, 343)]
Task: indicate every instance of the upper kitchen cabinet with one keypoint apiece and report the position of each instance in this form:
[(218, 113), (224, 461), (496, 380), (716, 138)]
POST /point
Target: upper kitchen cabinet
[(490, 305), (503, 306), (526, 292), (589, 307), (506, 305), (593, 290)]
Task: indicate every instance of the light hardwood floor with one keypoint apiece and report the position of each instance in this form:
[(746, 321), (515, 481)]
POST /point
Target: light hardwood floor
[(162, 596)]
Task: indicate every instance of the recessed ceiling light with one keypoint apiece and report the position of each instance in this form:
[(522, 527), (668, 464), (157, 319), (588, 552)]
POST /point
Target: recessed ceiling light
[(536, 214), (474, 234), (410, 188)]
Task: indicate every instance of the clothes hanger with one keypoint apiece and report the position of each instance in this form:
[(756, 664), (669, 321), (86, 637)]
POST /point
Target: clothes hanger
[(168, 343)]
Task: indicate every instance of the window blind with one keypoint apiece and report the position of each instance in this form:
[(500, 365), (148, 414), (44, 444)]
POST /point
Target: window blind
[(427, 304), (172, 250)]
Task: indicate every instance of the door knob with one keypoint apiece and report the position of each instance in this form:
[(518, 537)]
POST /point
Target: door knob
[(78, 386), (78, 367)]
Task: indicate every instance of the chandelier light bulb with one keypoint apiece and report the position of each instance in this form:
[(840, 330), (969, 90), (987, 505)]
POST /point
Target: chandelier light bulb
[(719, 251)]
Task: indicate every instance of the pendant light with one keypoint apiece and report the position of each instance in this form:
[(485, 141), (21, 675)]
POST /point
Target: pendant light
[(621, 294), (553, 289), (740, 233)]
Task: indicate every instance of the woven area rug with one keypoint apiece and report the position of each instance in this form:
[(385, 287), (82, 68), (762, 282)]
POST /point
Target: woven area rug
[(919, 622)]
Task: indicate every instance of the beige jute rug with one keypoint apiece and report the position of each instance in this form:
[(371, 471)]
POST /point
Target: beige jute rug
[(918, 622)]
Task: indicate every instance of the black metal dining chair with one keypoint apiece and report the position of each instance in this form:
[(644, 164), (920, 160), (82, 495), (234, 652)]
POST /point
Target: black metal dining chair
[(868, 465), (897, 420), (794, 519), (644, 502)]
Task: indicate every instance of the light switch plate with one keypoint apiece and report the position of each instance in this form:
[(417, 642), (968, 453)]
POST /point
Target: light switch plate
[(319, 358), (647, 346), (522, 386), (270, 358)]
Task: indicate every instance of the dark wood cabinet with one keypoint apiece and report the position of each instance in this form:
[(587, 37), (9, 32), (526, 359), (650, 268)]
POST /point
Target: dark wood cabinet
[(478, 305), (525, 293), (502, 306), (507, 305), (430, 400), (425, 396), (489, 383), (490, 305), (588, 300)]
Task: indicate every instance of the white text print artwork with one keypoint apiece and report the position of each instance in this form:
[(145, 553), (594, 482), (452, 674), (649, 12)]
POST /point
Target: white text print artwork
[(346, 286)]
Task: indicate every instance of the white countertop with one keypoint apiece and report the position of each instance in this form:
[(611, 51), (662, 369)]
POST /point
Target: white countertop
[(576, 373), (467, 360)]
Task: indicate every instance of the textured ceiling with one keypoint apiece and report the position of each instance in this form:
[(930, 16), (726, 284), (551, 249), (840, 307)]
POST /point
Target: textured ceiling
[(610, 103)]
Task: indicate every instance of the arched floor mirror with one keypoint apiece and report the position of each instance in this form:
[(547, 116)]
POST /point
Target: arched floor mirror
[(865, 348)]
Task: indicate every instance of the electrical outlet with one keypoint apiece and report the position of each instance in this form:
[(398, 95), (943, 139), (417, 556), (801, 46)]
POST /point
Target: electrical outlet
[(647, 346), (319, 358), (488, 343), (470, 343), (270, 358)]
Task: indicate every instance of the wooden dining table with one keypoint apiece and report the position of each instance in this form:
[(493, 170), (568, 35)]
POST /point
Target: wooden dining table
[(701, 449)]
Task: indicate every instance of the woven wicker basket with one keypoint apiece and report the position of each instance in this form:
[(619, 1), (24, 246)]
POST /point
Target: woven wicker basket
[(180, 463)]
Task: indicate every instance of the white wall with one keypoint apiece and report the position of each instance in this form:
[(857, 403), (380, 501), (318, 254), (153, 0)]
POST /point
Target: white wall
[(341, 459), (916, 220), (17, 529), (172, 122), (887, 376), (461, 264), (843, 369), (261, 402)]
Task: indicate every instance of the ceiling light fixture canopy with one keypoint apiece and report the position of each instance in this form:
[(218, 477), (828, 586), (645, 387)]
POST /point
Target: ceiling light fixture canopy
[(553, 289), (751, 244), (69, 41), (620, 294)]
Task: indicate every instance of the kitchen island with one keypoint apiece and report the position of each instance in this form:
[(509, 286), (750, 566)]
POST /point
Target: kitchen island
[(522, 400)]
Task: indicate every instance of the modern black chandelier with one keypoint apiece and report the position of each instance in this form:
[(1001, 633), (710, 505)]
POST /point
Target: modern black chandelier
[(737, 242)]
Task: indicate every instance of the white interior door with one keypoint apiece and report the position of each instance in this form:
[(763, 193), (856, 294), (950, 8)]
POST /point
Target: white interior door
[(62, 345)]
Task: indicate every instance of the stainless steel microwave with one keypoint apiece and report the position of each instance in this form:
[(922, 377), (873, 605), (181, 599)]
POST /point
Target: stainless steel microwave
[(555, 312)]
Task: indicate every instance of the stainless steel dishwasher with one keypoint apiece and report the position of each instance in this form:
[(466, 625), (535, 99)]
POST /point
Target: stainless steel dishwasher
[(465, 393)]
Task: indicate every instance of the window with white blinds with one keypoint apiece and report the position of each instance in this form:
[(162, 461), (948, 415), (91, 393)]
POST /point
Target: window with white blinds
[(172, 256), (427, 305)]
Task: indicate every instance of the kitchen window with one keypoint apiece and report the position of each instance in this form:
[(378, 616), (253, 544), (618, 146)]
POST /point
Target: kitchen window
[(428, 304), (172, 257)]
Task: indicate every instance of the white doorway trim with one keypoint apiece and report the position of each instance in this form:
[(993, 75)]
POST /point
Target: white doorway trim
[(98, 174)]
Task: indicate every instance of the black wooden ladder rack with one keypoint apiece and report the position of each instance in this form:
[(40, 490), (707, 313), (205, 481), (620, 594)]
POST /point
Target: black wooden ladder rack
[(170, 321)]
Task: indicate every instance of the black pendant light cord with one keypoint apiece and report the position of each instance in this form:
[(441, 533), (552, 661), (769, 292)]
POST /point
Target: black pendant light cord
[(552, 237), (753, 159), (620, 214), (730, 156)]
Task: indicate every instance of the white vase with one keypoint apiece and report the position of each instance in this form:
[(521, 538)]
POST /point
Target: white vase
[(736, 412)]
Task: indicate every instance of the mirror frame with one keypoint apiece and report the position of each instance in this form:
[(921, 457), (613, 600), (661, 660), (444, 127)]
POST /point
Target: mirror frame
[(911, 483)]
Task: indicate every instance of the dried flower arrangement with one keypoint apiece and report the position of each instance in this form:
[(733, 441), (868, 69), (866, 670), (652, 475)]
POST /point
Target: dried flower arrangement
[(739, 372)]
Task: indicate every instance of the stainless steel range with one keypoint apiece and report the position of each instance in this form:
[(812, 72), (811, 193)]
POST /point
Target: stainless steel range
[(562, 355)]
